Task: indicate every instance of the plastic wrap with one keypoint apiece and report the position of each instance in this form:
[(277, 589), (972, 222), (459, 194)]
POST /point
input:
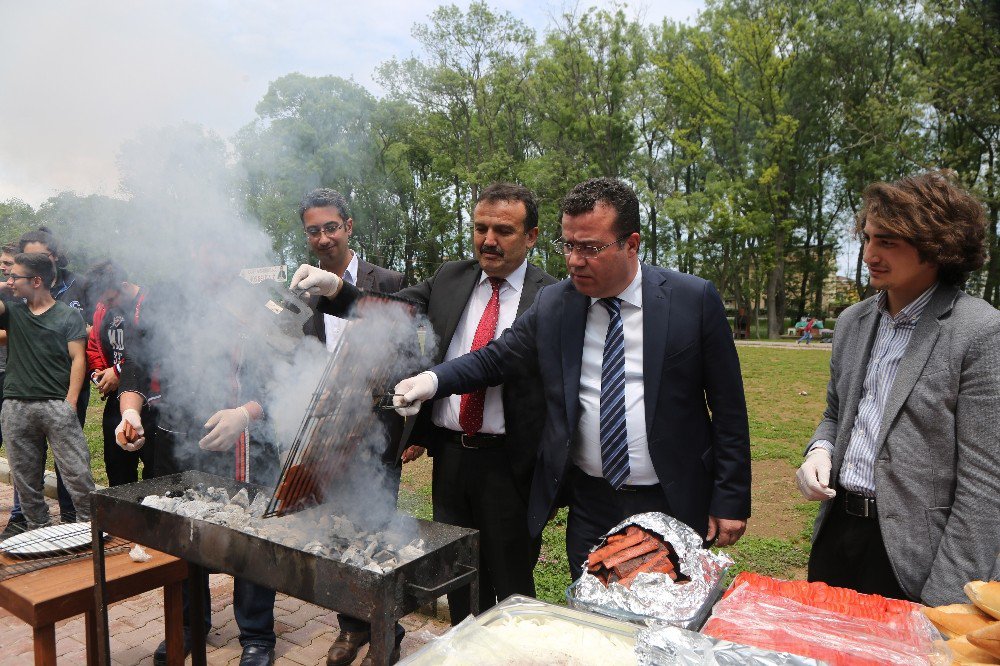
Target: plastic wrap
[(765, 619), (653, 595), (526, 632), (660, 645)]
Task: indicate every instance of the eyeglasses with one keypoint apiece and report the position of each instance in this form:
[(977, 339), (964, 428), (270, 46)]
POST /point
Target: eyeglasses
[(585, 251), (327, 229), (15, 277)]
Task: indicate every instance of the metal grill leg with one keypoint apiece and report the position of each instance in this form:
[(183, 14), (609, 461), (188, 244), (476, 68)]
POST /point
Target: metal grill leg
[(473, 589), (383, 640), (196, 613), (100, 597)]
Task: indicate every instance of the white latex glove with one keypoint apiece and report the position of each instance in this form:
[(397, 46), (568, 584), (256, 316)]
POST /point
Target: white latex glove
[(412, 391), (133, 419), (813, 476), (316, 281), (225, 427)]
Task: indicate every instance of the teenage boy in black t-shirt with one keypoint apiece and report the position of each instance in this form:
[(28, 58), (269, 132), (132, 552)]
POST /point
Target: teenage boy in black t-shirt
[(46, 365)]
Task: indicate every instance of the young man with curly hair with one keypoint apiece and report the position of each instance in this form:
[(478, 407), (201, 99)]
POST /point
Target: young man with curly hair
[(906, 459)]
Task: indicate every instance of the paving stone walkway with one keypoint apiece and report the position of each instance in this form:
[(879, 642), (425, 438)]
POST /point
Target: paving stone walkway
[(304, 631)]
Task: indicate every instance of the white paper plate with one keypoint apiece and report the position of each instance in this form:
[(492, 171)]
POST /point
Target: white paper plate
[(48, 540)]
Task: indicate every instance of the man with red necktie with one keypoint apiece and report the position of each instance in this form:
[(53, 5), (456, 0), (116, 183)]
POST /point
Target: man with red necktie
[(485, 443)]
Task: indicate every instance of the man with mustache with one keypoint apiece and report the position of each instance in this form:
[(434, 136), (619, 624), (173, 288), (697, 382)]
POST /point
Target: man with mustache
[(484, 444)]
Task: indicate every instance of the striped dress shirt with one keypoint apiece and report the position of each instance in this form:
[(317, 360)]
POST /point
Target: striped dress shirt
[(857, 474)]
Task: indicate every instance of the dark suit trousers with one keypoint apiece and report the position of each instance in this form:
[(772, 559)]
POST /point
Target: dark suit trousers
[(475, 488), (850, 553), (595, 507)]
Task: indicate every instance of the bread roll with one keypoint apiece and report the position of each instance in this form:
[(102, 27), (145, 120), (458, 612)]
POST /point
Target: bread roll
[(985, 595), (957, 619), (987, 638), (967, 653)]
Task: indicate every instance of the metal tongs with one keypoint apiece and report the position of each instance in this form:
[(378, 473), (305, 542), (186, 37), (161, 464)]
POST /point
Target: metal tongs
[(384, 400)]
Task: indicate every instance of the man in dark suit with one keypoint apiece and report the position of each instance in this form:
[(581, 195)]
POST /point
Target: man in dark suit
[(644, 399), (485, 444), (328, 227)]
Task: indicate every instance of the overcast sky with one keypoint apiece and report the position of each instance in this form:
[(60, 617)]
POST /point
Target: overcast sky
[(78, 78)]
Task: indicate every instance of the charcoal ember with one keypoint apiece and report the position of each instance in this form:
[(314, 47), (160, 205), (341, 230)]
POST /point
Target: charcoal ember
[(315, 547), (317, 531), (353, 556), (195, 508), (259, 505), (410, 552), (241, 498), (383, 557)]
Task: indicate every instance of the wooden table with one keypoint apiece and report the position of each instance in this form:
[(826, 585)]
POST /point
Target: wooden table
[(46, 596)]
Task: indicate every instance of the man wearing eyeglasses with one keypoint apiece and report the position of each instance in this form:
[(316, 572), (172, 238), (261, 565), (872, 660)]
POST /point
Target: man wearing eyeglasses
[(645, 405), (484, 444), (328, 227), (45, 372)]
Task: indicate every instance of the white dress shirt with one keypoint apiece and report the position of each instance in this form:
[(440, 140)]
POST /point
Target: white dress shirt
[(335, 325), (587, 451), (446, 410)]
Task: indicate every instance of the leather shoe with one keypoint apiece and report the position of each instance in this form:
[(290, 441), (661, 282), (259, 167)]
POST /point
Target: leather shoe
[(393, 656), (160, 655), (345, 648), (256, 655)]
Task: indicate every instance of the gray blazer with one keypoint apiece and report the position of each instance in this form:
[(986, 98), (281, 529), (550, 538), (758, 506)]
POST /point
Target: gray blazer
[(937, 473)]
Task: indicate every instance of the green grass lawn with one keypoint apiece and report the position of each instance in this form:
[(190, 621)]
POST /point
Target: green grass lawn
[(785, 389)]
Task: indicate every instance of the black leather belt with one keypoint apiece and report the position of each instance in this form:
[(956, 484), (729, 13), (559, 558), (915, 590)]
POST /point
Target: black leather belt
[(477, 441), (856, 504), (639, 489)]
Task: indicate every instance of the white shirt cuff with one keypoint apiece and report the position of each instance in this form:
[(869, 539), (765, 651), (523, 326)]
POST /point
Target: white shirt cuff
[(821, 443), (433, 377)]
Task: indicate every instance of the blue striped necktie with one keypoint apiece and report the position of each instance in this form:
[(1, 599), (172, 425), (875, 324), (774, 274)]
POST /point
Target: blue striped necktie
[(614, 438)]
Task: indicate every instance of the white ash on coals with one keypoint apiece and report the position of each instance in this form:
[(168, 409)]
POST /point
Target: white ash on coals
[(316, 531)]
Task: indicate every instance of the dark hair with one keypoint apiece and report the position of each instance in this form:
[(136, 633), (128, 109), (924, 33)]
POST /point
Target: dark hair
[(324, 197), (9, 248), (513, 192), (44, 236), (946, 224), (610, 191), (40, 266), (104, 276)]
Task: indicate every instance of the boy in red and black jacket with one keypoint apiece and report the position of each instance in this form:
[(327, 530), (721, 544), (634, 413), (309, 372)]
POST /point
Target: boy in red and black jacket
[(118, 311)]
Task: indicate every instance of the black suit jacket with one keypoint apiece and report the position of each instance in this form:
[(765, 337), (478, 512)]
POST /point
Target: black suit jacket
[(370, 278), (696, 416), (445, 296)]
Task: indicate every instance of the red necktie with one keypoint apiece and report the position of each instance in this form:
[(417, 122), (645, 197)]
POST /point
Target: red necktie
[(470, 413)]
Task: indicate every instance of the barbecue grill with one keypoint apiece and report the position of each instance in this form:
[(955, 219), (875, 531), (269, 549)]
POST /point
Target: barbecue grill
[(450, 561)]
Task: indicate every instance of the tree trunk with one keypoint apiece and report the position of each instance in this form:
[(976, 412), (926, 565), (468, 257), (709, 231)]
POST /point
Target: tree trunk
[(776, 287)]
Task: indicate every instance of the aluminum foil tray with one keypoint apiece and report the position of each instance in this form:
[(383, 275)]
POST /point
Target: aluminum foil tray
[(454, 647), (693, 622)]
